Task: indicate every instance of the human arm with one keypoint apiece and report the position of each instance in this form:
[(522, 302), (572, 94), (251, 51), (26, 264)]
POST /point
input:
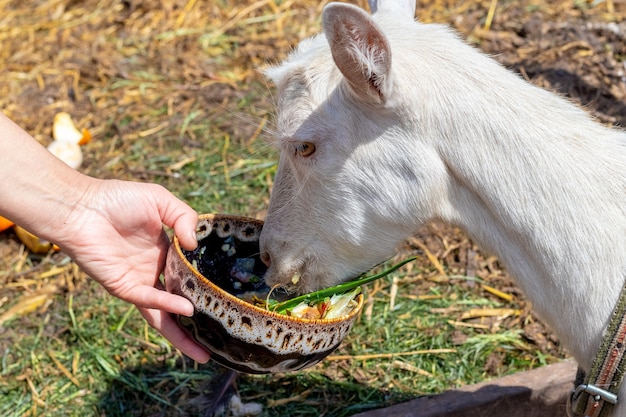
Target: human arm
[(112, 229)]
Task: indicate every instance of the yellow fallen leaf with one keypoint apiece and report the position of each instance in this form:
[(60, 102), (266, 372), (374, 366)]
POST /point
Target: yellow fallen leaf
[(411, 368), (283, 401), (490, 312), (497, 292), (28, 303), (57, 270), (63, 369), (431, 257), (470, 325)]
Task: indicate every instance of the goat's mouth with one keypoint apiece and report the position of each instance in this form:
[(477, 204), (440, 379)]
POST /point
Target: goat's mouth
[(296, 283), (284, 281), (283, 290)]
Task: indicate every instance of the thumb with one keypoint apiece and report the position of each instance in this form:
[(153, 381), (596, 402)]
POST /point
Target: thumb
[(180, 217)]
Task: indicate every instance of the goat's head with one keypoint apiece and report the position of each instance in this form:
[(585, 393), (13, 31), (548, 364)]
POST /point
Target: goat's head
[(341, 201)]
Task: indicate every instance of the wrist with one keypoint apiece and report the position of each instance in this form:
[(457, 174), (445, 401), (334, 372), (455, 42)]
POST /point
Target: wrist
[(44, 204), (62, 208)]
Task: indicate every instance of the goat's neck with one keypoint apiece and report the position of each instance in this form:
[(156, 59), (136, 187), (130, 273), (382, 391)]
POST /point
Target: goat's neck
[(539, 199)]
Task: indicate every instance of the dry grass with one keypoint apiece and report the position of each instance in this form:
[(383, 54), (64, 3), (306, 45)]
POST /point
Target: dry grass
[(171, 93)]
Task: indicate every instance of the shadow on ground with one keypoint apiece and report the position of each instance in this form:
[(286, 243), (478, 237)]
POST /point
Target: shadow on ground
[(156, 390)]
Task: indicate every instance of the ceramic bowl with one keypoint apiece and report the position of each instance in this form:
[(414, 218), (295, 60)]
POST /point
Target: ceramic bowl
[(238, 334)]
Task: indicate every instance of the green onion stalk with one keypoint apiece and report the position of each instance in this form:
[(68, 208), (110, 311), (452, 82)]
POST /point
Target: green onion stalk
[(318, 296)]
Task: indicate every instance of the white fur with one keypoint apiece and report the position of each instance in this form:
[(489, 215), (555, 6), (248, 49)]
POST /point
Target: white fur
[(443, 132)]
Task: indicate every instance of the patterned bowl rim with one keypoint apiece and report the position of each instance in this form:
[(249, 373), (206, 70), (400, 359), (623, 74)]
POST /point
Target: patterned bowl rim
[(245, 304)]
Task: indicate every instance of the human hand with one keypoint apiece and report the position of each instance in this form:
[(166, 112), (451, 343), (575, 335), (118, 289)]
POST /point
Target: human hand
[(112, 229), (115, 234)]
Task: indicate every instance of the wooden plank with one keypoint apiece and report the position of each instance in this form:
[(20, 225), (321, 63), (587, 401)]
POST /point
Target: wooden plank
[(540, 392)]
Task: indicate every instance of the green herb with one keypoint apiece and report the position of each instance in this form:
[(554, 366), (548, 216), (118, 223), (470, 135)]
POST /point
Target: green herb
[(317, 296)]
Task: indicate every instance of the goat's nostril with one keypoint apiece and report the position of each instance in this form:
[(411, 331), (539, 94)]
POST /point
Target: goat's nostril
[(266, 258)]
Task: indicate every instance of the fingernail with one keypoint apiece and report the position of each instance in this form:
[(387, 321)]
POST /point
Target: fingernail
[(194, 240), (190, 310)]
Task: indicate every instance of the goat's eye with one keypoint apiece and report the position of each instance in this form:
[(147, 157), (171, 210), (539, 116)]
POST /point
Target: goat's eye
[(304, 149)]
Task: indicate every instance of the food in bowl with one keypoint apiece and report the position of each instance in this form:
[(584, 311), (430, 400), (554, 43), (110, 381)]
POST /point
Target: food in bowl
[(223, 277), (233, 265)]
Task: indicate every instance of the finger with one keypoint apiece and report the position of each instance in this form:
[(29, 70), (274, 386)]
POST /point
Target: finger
[(179, 216), (150, 297), (166, 325)]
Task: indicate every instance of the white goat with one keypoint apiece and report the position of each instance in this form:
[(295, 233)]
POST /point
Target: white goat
[(385, 123)]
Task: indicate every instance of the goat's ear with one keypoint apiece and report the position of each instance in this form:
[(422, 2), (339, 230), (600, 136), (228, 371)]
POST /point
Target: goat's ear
[(359, 48)]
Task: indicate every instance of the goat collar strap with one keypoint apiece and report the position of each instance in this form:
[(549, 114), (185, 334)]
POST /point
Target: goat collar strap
[(597, 395)]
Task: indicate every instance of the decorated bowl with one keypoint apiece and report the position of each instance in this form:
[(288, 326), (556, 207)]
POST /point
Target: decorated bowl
[(218, 276)]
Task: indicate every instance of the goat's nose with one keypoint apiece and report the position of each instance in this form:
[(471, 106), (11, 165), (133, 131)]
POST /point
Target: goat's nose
[(266, 258)]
